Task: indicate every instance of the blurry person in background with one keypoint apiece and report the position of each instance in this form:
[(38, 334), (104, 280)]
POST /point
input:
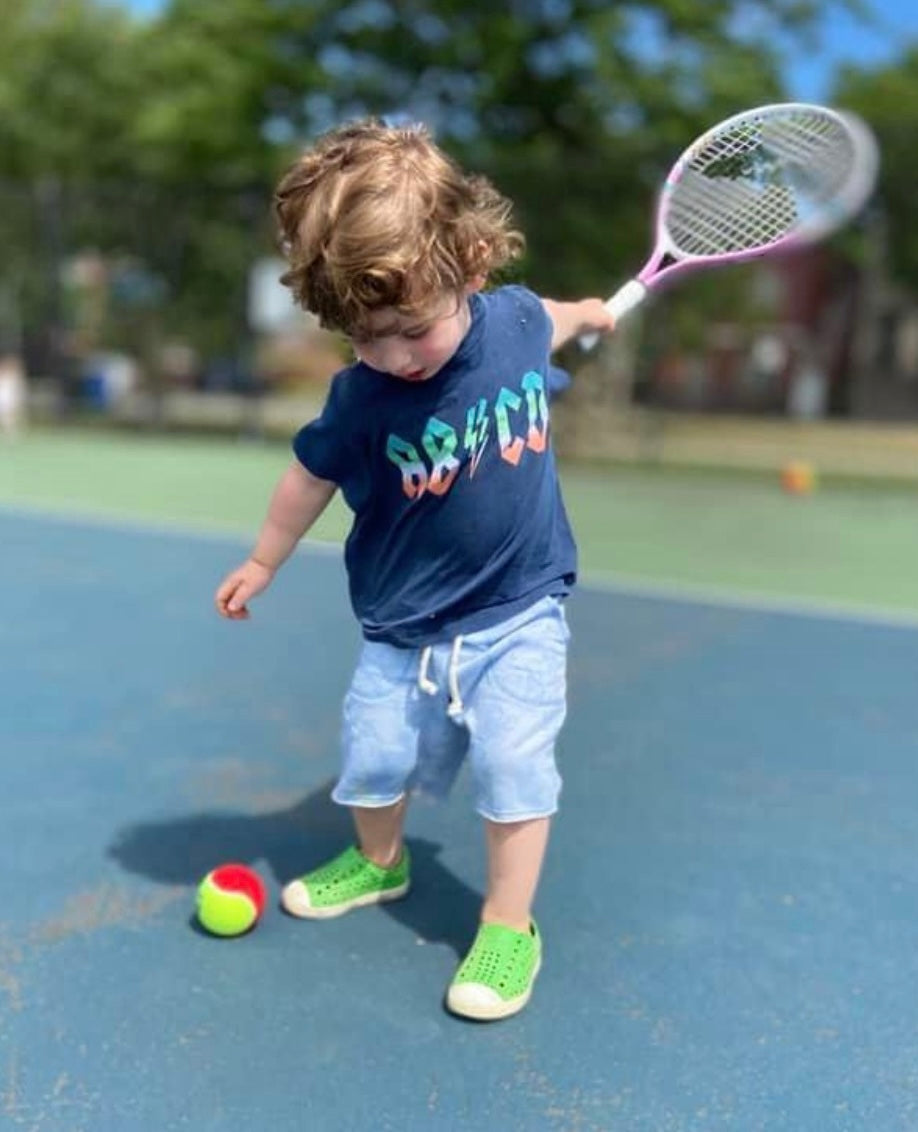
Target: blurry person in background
[(12, 395)]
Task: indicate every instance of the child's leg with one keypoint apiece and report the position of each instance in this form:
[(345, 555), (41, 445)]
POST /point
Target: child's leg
[(379, 871), (379, 832), (515, 854), (496, 977), (515, 711)]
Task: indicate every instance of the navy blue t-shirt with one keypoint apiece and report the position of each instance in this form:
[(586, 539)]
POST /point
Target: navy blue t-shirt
[(458, 516)]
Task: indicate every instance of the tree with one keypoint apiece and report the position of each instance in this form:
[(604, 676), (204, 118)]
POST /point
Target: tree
[(166, 136), (575, 107), (887, 98), (68, 88)]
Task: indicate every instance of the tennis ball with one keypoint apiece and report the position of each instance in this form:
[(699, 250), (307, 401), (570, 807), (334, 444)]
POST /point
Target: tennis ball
[(798, 478), (230, 900)]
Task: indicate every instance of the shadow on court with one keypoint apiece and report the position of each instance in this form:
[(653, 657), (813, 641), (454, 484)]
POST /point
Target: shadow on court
[(181, 851)]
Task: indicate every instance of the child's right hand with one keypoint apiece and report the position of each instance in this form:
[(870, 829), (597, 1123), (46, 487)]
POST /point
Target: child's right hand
[(237, 588)]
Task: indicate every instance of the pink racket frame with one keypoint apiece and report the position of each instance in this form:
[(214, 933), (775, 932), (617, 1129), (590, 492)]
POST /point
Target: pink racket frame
[(850, 200)]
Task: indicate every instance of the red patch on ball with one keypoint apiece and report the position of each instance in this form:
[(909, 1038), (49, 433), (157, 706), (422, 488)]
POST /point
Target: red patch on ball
[(240, 878)]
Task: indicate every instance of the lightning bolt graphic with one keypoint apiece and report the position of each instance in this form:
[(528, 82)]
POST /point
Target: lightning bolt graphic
[(476, 433)]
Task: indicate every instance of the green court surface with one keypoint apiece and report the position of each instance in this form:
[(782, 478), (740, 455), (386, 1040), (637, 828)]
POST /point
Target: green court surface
[(736, 535)]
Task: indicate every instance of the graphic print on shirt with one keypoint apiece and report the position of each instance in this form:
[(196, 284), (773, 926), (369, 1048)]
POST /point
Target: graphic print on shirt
[(520, 421)]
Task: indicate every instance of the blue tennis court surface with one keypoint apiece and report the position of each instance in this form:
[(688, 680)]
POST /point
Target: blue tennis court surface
[(729, 904)]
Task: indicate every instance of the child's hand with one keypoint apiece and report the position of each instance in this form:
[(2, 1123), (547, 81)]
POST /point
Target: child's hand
[(237, 588), (594, 318)]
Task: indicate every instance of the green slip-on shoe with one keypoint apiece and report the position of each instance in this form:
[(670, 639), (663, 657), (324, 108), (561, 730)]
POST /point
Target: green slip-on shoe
[(348, 881), (496, 978)]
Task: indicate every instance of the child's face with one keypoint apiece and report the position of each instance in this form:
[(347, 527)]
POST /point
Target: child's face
[(415, 347)]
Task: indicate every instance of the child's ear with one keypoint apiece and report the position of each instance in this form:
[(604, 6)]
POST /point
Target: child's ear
[(480, 258)]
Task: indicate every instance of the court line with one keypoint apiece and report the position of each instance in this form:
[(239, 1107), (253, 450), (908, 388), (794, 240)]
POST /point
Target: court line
[(203, 529), (751, 601), (623, 585)]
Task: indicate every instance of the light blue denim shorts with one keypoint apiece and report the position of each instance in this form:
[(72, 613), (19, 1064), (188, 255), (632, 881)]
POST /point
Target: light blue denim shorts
[(497, 696)]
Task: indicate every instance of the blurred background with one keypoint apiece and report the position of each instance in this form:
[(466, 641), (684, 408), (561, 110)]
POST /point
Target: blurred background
[(140, 142)]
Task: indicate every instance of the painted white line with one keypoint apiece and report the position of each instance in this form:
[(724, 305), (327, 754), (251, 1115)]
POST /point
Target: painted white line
[(751, 601), (203, 530), (685, 593)]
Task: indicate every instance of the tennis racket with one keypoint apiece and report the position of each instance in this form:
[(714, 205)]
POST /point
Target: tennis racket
[(766, 180)]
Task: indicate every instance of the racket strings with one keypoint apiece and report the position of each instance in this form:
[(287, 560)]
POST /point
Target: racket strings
[(757, 182), (732, 217), (818, 150)]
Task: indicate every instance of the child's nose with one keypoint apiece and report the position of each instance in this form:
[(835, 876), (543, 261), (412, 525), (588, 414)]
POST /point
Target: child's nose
[(396, 357)]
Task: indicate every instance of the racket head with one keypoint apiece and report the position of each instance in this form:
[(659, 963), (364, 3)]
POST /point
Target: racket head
[(767, 179)]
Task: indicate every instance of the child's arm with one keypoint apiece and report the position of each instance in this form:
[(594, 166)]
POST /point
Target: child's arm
[(298, 500), (573, 319)]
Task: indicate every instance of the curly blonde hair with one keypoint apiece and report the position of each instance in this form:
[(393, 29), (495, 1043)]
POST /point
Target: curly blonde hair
[(377, 216)]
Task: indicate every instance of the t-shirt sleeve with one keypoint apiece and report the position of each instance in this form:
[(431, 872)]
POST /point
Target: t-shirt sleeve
[(325, 446), (531, 311), (557, 380)]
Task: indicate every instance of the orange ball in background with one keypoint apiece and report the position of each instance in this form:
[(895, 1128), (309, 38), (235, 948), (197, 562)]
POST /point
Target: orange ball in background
[(798, 477)]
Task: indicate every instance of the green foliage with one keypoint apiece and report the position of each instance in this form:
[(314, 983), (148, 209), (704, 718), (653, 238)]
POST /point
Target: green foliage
[(887, 98), (68, 89), (162, 138)]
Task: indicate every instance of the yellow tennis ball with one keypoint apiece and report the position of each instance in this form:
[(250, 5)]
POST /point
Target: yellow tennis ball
[(231, 898)]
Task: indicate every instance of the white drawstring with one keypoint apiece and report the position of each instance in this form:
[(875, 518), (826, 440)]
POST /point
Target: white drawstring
[(455, 707), (424, 682)]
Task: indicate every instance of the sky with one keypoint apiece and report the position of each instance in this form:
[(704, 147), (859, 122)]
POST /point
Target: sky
[(844, 39), (809, 72)]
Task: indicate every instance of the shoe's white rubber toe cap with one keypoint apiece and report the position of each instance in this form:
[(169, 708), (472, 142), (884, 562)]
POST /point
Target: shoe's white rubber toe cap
[(475, 1000), (295, 899)]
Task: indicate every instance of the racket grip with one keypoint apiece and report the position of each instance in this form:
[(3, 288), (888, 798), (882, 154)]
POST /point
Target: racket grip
[(624, 300)]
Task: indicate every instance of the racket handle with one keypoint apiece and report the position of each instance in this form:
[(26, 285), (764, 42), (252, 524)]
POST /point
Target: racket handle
[(624, 300)]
